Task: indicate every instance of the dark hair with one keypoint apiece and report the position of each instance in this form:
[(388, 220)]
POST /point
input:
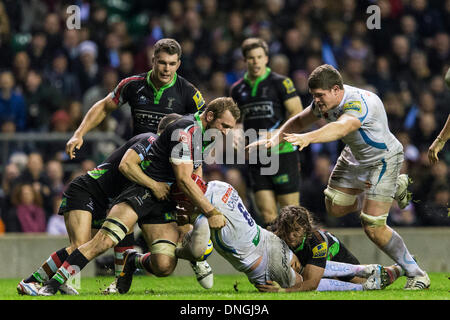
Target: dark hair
[(325, 77), (293, 218), (253, 43), (168, 45), (168, 119), (16, 196), (220, 105)]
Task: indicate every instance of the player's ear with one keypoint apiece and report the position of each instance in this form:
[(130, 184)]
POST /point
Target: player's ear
[(210, 116)]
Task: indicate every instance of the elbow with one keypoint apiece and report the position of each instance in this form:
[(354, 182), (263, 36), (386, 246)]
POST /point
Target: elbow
[(124, 168)]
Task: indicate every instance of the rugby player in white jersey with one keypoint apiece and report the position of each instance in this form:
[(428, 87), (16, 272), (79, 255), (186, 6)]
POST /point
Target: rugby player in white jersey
[(369, 163)]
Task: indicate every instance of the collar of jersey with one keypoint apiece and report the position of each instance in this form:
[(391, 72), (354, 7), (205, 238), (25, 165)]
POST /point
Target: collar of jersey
[(199, 121), (300, 247), (159, 93), (257, 81)]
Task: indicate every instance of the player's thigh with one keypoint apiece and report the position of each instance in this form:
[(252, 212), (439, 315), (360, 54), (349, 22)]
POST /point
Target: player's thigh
[(167, 231), (337, 195), (266, 201), (124, 213), (289, 199)]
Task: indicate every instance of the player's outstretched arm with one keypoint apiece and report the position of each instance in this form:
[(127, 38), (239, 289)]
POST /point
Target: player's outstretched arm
[(130, 167), (439, 143), (92, 119)]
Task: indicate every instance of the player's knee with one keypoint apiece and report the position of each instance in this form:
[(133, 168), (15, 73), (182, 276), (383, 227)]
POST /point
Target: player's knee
[(163, 257), (114, 230), (373, 224), (338, 203)]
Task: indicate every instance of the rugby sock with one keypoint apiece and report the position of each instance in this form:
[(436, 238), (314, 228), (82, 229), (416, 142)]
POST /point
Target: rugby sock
[(338, 269), (396, 249), (394, 272), (126, 243), (336, 285), (73, 264), (49, 268), (142, 261), (195, 241)]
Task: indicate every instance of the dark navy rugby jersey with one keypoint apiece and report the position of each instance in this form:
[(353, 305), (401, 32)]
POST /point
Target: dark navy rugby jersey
[(181, 142), (149, 105), (108, 176)]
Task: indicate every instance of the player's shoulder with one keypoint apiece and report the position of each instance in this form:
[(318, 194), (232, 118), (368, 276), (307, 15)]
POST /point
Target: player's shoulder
[(133, 78), (282, 81), (354, 99), (184, 83), (236, 84)]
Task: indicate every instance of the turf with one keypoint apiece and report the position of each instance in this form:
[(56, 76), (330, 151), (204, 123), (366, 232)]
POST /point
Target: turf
[(227, 287)]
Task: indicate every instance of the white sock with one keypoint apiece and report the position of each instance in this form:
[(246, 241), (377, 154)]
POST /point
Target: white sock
[(335, 269), (195, 241), (336, 285), (396, 249)]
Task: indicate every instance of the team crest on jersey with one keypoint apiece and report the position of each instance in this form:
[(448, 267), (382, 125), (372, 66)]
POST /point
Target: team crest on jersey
[(354, 106), (289, 85), (198, 99), (320, 251)]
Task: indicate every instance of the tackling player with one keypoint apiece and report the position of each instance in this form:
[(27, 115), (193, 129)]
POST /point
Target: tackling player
[(369, 163), (86, 201), (151, 96), (174, 154), (267, 100)]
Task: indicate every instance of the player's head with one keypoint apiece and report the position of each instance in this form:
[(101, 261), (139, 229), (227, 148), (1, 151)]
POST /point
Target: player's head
[(221, 114), (293, 225), (178, 196), (165, 60), (256, 55), (326, 86), (166, 120)]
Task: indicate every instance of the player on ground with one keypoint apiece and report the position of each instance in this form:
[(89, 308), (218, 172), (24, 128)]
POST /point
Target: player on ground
[(439, 143), (267, 100), (369, 163), (174, 154), (323, 257), (85, 204)]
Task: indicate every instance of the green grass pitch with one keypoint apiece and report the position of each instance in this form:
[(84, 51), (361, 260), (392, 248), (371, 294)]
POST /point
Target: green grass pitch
[(228, 287)]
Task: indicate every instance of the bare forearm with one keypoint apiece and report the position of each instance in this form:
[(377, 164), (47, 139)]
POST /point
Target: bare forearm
[(445, 132), (134, 173), (93, 118), (330, 132), (193, 192)]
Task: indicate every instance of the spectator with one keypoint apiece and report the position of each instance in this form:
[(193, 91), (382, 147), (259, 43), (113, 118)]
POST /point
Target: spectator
[(12, 103), (89, 72), (59, 77), (27, 210), (37, 50), (20, 68)]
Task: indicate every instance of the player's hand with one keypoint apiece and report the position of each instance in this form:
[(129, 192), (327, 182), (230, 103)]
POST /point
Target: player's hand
[(74, 143), (270, 286), (296, 139), (160, 190), (216, 219), (182, 219), (436, 146)]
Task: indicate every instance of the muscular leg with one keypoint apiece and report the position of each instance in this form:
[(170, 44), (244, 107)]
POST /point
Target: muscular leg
[(196, 241), (289, 199), (267, 206), (338, 210), (78, 225), (160, 263), (387, 239)]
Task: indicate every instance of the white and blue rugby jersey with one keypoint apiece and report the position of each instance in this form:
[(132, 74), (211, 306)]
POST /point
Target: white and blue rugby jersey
[(373, 140), (241, 241)]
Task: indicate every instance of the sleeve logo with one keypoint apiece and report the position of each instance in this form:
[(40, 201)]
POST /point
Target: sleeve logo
[(353, 106), (320, 251), (198, 99), (289, 85)]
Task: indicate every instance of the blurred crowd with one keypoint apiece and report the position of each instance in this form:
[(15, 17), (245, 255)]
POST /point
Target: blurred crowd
[(51, 75)]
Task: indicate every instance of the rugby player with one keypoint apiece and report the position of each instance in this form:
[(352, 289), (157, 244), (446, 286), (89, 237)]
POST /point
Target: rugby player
[(267, 100), (370, 161), (86, 201), (443, 136), (151, 96), (265, 258), (323, 257), (175, 154)]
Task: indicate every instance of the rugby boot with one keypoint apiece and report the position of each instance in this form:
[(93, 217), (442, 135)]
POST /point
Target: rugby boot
[(203, 273), (402, 195), (126, 276), (28, 289)]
